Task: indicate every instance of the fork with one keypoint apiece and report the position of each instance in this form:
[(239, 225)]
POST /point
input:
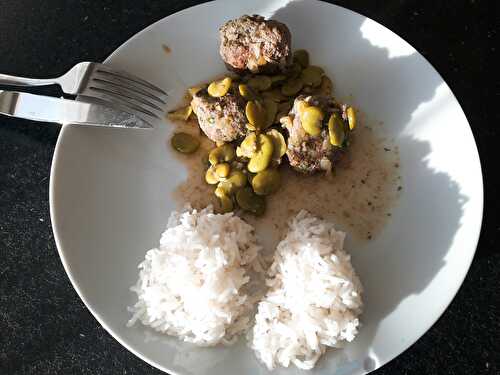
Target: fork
[(99, 81)]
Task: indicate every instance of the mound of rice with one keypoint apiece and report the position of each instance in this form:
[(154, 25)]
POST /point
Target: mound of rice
[(193, 285), (314, 297)]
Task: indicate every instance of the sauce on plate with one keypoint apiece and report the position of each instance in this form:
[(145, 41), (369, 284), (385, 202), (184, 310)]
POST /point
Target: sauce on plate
[(357, 196)]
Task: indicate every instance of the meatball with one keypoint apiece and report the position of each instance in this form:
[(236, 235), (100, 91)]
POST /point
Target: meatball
[(222, 119), (255, 44), (306, 153)]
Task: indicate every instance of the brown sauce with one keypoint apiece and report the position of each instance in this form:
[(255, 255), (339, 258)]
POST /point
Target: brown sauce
[(166, 48)]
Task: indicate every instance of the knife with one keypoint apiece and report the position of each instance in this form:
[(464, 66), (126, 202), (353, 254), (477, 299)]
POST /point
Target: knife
[(64, 111)]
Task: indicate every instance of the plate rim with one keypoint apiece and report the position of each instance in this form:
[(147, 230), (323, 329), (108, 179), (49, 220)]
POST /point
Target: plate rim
[(476, 232)]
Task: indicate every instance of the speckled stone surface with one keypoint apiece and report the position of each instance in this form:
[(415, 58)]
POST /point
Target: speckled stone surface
[(45, 328)]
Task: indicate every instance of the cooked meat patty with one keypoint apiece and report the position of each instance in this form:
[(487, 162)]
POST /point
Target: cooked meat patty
[(255, 44), (221, 119), (306, 153)]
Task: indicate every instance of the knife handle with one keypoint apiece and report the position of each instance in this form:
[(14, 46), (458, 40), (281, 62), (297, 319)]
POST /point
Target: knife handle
[(6, 79)]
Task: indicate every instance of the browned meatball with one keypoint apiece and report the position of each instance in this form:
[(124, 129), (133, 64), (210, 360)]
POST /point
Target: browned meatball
[(255, 44), (221, 119), (306, 153)]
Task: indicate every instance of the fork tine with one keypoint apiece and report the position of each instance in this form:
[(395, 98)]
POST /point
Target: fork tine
[(123, 94), (135, 90), (131, 85), (118, 100), (103, 69)]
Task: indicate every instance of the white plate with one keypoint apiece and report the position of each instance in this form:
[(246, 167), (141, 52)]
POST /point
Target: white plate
[(110, 188)]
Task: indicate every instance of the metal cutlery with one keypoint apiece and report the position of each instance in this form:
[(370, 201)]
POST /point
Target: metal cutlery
[(105, 85), (64, 111)]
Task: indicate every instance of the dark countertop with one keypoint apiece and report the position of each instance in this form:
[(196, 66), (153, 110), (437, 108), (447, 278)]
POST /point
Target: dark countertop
[(46, 329)]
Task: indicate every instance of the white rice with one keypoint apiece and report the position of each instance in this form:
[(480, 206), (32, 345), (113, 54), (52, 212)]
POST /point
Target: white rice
[(314, 298), (193, 285)]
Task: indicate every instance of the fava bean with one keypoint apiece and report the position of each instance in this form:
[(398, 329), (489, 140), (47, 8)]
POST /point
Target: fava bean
[(336, 130), (211, 177), (260, 83), (247, 92), (266, 182), (311, 75), (279, 144), (292, 87), (311, 118), (251, 202), (263, 155), (181, 113), (220, 88), (256, 114), (351, 117), (184, 143), (221, 154), (222, 170)]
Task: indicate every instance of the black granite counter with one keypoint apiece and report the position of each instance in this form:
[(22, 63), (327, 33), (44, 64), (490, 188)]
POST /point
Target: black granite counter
[(45, 328)]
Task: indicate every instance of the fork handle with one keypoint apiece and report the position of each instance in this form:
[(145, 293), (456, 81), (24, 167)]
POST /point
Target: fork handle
[(6, 79)]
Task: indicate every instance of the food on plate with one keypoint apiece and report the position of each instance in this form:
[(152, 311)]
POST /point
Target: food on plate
[(222, 117), (194, 286), (318, 131), (278, 112), (250, 202), (252, 43), (204, 281), (314, 297), (181, 114), (185, 143)]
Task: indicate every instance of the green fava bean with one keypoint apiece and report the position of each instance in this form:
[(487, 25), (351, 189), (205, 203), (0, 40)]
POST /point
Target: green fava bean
[(266, 182), (224, 188), (274, 95), (181, 113), (260, 83), (278, 78), (271, 110), (184, 143), (230, 185), (256, 114), (222, 170), (195, 89), (263, 155), (311, 75), (237, 179), (336, 130), (225, 203), (279, 144), (311, 118), (248, 147), (292, 87), (247, 92), (251, 202), (211, 177), (221, 154), (219, 88), (351, 118)]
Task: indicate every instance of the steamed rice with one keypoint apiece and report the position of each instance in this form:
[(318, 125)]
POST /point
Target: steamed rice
[(314, 298), (194, 285)]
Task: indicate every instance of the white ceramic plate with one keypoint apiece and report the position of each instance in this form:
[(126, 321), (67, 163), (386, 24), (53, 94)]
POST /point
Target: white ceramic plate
[(110, 188)]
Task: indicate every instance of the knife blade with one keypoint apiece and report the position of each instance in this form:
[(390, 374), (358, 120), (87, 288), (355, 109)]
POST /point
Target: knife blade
[(64, 111)]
